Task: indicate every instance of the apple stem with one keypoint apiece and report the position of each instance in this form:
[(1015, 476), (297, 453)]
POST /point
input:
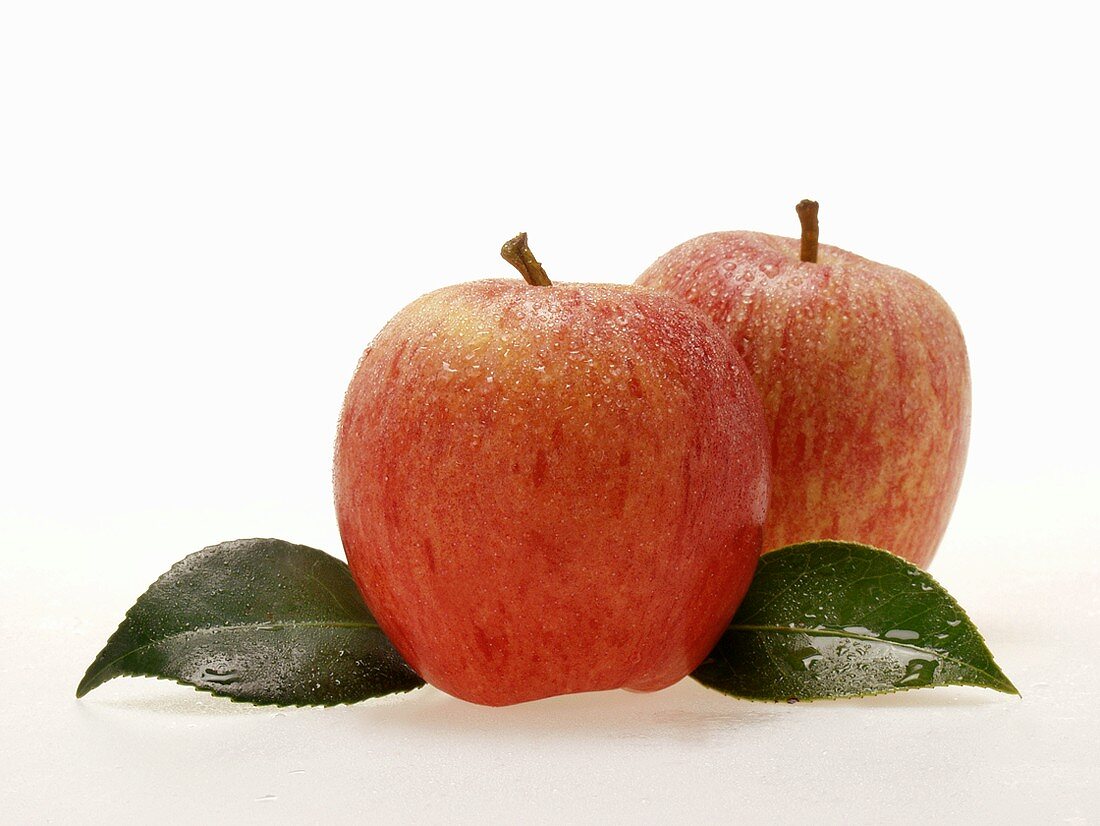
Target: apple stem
[(519, 255), (807, 216)]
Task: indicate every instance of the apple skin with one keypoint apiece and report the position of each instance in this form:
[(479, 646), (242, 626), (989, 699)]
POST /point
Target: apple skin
[(864, 377), (548, 490)]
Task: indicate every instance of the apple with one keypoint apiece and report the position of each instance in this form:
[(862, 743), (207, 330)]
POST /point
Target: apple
[(864, 377), (546, 489)]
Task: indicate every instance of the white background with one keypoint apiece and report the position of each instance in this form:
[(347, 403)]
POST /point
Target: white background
[(207, 210)]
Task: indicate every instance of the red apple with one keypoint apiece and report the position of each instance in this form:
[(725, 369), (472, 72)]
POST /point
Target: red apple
[(864, 376), (551, 489)]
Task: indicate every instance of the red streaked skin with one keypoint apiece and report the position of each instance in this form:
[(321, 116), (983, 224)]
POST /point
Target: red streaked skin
[(864, 377), (548, 490)]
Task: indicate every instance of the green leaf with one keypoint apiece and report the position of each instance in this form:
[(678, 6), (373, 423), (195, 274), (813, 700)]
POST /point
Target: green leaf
[(256, 620), (824, 620)]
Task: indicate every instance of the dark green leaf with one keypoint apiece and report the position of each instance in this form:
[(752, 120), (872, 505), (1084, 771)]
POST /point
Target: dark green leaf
[(836, 619), (257, 620)]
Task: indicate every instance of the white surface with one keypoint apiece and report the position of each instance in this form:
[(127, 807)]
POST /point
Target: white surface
[(207, 211), (144, 751)]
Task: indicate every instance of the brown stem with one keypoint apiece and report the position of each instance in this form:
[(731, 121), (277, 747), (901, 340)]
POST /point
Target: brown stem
[(519, 255), (807, 215)]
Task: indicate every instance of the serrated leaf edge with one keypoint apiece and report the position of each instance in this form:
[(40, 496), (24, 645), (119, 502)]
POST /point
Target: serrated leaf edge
[(90, 681), (1005, 687), (815, 631), (267, 703), (1003, 684)]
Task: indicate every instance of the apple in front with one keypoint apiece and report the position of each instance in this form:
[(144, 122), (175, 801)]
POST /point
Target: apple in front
[(864, 377), (544, 490)]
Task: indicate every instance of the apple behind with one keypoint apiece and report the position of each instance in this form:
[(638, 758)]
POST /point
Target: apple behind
[(864, 377)]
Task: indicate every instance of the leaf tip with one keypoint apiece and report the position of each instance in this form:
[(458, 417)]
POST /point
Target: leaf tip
[(89, 681), (997, 679), (1009, 688)]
